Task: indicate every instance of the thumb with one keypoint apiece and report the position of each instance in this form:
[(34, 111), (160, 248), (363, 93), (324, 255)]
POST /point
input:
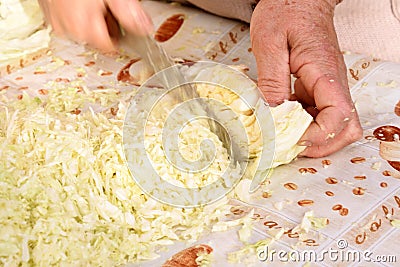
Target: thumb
[(270, 48)]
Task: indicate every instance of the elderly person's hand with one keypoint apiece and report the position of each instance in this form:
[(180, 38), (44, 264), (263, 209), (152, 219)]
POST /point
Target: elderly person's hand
[(298, 37), (91, 22)]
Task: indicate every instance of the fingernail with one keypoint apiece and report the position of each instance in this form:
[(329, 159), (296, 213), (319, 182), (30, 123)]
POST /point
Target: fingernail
[(304, 143)]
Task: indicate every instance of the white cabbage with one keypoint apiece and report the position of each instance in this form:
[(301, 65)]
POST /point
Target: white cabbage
[(248, 254), (68, 198), (282, 125), (66, 195)]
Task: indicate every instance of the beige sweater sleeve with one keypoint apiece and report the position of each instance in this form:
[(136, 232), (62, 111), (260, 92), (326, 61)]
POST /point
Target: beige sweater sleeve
[(236, 9), (242, 9), (396, 8), (370, 27)]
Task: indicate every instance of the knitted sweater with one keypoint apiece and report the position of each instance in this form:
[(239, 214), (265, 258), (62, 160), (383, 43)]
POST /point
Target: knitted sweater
[(371, 27)]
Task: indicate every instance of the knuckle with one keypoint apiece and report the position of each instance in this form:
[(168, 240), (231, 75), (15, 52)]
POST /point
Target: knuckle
[(317, 49), (317, 53), (270, 84), (269, 40), (273, 90)]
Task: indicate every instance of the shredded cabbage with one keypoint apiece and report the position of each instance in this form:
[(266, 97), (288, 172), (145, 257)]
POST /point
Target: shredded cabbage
[(309, 221), (204, 259), (395, 223), (67, 196), (248, 254)]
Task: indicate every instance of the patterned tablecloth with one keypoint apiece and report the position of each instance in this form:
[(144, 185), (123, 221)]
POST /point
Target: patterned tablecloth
[(357, 190)]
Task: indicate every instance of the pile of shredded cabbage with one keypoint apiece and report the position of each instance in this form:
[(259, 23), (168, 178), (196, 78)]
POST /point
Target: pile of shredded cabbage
[(66, 195), (189, 145)]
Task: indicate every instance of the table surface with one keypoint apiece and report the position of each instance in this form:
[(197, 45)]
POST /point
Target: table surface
[(375, 88)]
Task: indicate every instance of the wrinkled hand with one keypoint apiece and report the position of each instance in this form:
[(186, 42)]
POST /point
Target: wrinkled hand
[(298, 37), (91, 22)]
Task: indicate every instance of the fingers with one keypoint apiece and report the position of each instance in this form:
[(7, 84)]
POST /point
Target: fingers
[(98, 36), (269, 44), (321, 84), (50, 18), (87, 25), (336, 124), (351, 132), (114, 29), (90, 21), (303, 95), (306, 47), (346, 137), (131, 16)]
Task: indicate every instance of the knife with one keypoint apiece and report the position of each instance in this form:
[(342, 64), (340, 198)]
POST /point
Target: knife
[(155, 57)]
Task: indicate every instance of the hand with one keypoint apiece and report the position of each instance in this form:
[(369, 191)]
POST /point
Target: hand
[(94, 22), (298, 37)]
